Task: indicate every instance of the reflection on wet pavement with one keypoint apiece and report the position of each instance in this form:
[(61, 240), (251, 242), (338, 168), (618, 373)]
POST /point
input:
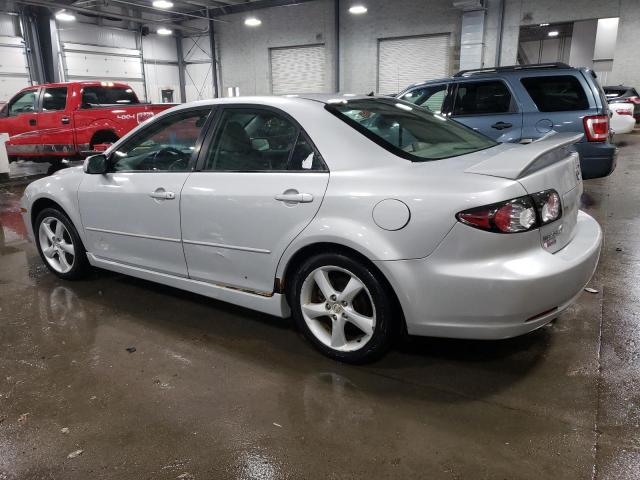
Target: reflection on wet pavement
[(215, 391)]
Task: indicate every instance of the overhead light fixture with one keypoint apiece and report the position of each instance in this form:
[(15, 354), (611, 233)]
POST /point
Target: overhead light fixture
[(164, 4), (164, 31), (358, 9), (553, 33), (65, 16), (544, 25), (253, 22)]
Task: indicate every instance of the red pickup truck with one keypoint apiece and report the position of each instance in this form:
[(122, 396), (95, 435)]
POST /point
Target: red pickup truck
[(59, 121)]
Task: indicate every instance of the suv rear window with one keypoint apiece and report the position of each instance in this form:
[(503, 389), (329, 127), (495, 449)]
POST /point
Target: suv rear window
[(559, 93), (95, 96), (408, 131)]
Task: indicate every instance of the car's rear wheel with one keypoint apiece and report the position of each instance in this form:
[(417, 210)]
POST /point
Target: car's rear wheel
[(343, 308), (59, 245)]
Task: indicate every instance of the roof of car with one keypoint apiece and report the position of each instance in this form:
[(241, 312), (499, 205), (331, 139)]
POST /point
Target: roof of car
[(319, 99)]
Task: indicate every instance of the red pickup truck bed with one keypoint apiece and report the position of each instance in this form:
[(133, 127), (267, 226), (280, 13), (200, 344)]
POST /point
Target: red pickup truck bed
[(70, 120)]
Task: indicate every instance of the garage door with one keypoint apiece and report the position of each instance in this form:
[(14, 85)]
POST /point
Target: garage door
[(403, 61), (298, 70), (14, 71)]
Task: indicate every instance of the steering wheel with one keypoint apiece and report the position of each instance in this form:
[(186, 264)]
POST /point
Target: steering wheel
[(178, 160)]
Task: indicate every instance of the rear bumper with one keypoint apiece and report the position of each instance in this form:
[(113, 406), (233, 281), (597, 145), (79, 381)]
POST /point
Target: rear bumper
[(468, 289), (597, 159)]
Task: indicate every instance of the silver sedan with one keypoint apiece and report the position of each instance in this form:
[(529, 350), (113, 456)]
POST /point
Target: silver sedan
[(362, 217)]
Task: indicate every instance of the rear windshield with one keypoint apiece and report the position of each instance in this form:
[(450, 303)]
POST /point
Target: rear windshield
[(408, 131), (558, 93), (96, 96)]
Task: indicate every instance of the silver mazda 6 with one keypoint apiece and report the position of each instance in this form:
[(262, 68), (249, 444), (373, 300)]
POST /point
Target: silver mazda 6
[(362, 217)]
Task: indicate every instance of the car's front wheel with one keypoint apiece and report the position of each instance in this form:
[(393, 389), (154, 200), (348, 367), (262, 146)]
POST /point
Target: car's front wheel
[(59, 245), (343, 307)]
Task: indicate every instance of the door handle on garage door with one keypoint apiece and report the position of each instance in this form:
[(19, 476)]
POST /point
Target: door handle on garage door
[(162, 194), (291, 197), (501, 125)]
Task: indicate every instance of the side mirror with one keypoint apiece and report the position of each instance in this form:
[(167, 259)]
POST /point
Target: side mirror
[(96, 164)]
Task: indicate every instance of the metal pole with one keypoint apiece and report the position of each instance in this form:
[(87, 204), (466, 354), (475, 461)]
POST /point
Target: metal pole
[(214, 63), (181, 67), (337, 27), (500, 32)]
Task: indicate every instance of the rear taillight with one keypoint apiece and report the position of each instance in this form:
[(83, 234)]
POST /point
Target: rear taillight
[(517, 215), (634, 99), (596, 127)]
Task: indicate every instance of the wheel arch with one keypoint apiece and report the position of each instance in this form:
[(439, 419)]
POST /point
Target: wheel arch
[(104, 133), (45, 202), (309, 250)]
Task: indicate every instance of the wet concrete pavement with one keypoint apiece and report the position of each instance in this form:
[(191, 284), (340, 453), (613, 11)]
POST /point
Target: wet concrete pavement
[(215, 391)]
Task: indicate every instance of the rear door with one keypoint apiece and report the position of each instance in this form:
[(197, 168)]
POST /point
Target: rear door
[(259, 183), (555, 102), (489, 107)]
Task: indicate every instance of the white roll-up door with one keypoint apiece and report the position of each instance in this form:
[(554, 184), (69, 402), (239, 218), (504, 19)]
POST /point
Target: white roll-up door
[(93, 53), (403, 61), (298, 70), (14, 69)]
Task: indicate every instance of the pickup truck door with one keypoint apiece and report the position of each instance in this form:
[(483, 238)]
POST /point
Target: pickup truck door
[(131, 214), (258, 184), (21, 118), (489, 107), (55, 124)]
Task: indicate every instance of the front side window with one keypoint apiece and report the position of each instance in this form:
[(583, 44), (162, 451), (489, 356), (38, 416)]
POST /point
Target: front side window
[(430, 97), (97, 96), (24, 102), (410, 132), (166, 145), (559, 93), (54, 99), (482, 98), (250, 140)]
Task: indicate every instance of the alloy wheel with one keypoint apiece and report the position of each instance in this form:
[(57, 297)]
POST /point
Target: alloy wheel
[(338, 308), (56, 244)]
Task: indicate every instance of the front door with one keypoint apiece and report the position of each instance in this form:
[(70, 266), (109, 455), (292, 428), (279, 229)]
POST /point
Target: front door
[(260, 182), (21, 119), (488, 107), (131, 214)]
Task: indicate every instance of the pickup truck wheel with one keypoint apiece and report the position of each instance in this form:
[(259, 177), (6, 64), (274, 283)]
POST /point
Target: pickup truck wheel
[(60, 246)]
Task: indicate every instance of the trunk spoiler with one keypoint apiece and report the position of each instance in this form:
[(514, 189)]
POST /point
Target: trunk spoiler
[(521, 160)]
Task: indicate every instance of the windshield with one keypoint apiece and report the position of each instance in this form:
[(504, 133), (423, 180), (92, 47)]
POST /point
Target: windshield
[(408, 131), (95, 96)]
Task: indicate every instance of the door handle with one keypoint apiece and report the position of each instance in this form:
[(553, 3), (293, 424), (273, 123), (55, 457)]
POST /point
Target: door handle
[(32, 122), (294, 197), (65, 120), (161, 194), (501, 125)]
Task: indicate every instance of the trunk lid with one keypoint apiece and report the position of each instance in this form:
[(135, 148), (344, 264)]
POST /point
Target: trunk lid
[(548, 163)]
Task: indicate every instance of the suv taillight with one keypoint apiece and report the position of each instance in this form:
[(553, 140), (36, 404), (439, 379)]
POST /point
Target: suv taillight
[(634, 99), (516, 215), (596, 127)]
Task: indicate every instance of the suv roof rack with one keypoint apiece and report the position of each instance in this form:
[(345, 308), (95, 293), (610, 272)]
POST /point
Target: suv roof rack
[(510, 68)]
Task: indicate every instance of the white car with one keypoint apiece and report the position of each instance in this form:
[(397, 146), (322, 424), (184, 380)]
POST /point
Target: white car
[(361, 216), (622, 119)]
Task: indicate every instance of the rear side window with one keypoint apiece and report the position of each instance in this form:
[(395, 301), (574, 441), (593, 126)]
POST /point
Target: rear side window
[(480, 98), (556, 93), (96, 96), (430, 97), (54, 99)]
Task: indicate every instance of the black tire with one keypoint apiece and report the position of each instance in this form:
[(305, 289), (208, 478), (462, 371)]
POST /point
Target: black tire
[(80, 267), (386, 324)]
